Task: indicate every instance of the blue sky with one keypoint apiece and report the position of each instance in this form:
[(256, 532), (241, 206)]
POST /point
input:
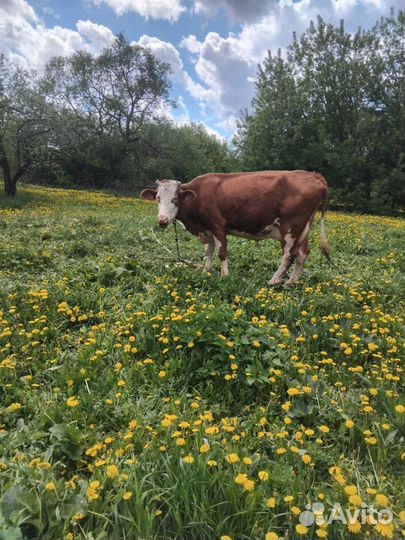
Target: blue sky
[(213, 46)]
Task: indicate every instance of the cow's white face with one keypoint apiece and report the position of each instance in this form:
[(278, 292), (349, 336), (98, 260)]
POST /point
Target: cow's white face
[(167, 197)]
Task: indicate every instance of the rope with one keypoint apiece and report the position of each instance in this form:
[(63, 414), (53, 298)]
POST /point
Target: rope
[(195, 264), (176, 236)]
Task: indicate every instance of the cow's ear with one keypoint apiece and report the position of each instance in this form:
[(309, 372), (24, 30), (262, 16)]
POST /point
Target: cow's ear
[(149, 194), (187, 193)]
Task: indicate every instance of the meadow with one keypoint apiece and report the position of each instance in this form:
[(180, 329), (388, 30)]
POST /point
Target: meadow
[(142, 398)]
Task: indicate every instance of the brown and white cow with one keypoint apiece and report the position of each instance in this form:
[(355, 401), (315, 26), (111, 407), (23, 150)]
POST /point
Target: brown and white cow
[(256, 205)]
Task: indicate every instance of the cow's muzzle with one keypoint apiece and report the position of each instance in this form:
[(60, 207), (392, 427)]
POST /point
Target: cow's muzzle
[(163, 221)]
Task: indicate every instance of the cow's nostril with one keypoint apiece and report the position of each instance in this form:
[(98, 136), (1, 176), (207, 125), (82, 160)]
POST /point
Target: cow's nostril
[(163, 220)]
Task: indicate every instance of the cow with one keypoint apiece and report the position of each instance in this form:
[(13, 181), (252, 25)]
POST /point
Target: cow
[(256, 205)]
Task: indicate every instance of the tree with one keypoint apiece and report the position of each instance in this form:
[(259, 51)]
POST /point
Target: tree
[(112, 96), (24, 123), (334, 103), (186, 151), (266, 138)]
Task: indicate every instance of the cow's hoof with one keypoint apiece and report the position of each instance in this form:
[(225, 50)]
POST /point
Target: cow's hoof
[(274, 284)]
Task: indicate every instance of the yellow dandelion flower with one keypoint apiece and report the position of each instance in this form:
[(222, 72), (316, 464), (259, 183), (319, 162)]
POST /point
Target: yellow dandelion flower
[(240, 478), (350, 490), (249, 485), (386, 530), (112, 471), (72, 402), (301, 529), (356, 500), (232, 458), (263, 476), (382, 500), (355, 527), (372, 441)]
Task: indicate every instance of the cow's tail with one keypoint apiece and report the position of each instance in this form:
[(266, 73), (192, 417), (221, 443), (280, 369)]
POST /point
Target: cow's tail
[(324, 239)]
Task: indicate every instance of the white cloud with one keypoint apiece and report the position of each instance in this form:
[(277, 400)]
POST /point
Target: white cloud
[(225, 70), (165, 52), (213, 132), (48, 10), (191, 44), (96, 36), (229, 124), (156, 9), (28, 42), (17, 8), (180, 115)]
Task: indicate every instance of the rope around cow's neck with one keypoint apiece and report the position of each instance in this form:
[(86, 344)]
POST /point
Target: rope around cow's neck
[(195, 264)]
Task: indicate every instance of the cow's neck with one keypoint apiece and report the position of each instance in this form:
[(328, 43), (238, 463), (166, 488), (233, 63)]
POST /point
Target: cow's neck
[(189, 216)]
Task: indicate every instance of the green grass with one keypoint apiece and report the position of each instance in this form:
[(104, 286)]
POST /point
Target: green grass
[(123, 371)]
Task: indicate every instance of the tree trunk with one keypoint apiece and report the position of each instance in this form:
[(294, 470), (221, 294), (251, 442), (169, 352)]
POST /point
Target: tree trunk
[(10, 181), (10, 187)]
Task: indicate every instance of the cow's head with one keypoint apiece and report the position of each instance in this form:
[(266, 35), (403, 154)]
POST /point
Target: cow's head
[(169, 195)]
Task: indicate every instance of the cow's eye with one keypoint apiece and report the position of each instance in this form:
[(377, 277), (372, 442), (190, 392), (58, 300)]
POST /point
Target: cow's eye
[(175, 200), (158, 199)]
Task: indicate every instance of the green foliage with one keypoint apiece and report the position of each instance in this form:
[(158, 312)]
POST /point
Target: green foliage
[(186, 152), (25, 123), (334, 103)]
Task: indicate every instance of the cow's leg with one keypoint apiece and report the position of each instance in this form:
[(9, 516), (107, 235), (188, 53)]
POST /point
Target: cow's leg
[(208, 239), (303, 252), (221, 243), (209, 252), (287, 244)]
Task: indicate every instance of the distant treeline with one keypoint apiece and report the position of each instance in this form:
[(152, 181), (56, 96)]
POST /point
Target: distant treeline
[(333, 103)]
